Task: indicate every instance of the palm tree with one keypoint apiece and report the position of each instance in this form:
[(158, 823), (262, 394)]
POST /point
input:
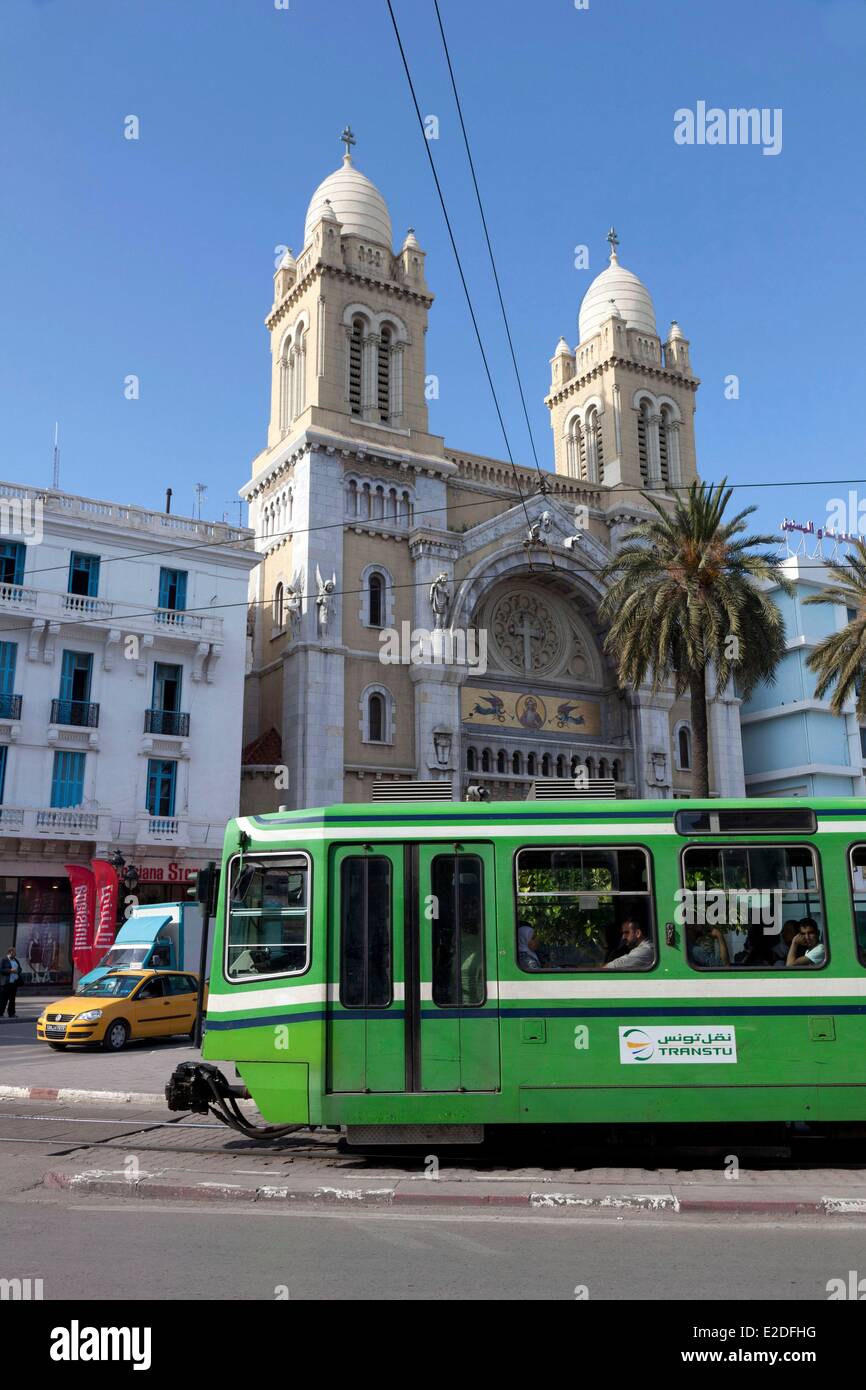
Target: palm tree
[(686, 594), (841, 658)]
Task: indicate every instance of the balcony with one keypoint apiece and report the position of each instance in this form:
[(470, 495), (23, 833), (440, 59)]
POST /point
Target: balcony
[(72, 823), (10, 706), (18, 597), (98, 613), (87, 607), (67, 822), (81, 714), (166, 721)]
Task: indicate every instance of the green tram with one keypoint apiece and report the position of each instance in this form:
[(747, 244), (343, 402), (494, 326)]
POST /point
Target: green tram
[(418, 971)]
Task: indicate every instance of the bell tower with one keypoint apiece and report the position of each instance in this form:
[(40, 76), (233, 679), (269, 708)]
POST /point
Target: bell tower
[(349, 317), (622, 402)]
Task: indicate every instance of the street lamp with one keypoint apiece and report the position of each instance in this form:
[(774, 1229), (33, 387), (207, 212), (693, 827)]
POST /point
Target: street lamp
[(442, 745), (126, 873)]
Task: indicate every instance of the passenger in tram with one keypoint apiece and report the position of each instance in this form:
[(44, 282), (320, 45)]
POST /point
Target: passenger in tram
[(783, 945), (639, 950), (757, 954), (527, 947), (707, 946), (807, 949)]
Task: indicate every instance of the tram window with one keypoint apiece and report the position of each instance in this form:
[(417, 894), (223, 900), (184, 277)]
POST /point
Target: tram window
[(743, 820), (584, 909), (365, 932), (457, 884), (268, 918), (757, 907), (857, 864)]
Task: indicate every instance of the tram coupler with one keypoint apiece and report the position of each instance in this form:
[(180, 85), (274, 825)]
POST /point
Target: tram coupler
[(194, 1086)]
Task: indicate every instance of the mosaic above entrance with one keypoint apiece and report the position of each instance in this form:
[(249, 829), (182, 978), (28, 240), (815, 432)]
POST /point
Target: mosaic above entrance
[(535, 713)]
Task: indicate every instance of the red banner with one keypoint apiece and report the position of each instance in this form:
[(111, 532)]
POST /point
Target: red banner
[(107, 889), (83, 914)]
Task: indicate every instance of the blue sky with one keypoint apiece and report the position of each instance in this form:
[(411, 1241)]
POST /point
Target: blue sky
[(155, 257)]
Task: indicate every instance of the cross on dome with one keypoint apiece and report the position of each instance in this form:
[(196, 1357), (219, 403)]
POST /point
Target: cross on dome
[(613, 241), (348, 140)]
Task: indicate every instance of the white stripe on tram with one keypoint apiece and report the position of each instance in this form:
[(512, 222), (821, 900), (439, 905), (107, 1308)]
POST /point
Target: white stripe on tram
[(547, 991), (302, 834)]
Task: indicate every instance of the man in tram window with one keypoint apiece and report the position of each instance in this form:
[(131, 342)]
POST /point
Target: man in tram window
[(807, 949), (527, 947), (780, 951), (638, 951), (707, 946)]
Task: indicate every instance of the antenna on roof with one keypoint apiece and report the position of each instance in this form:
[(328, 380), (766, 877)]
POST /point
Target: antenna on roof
[(55, 475), (200, 490)]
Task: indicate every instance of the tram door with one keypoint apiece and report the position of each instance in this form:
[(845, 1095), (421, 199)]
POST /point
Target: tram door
[(366, 1020), (452, 997)]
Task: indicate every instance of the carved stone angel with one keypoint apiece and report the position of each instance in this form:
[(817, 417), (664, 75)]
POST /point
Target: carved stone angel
[(325, 588), (440, 599)]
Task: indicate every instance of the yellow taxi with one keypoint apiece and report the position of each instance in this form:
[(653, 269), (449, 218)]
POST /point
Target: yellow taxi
[(121, 1005)]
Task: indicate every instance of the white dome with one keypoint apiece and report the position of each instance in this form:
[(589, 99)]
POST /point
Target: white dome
[(632, 299), (356, 202)]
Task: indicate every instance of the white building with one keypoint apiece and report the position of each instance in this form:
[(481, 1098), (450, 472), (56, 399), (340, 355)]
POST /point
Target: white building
[(122, 653)]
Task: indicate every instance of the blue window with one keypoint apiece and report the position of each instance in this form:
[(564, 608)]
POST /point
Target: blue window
[(67, 782), (172, 588), (166, 687), (10, 707), (84, 574), (75, 676), (8, 658), (12, 562), (4, 753), (161, 785)]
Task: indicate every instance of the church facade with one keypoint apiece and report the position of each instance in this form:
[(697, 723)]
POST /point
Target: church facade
[(422, 613)]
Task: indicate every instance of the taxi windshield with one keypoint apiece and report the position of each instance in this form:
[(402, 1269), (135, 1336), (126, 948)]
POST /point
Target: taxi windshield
[(110, 986)]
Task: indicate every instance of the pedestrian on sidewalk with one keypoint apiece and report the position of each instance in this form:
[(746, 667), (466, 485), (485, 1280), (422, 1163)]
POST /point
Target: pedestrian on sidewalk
[(10, 979)]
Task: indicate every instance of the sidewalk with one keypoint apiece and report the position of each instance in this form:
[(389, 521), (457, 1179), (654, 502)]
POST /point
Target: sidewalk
[(217, 1179)]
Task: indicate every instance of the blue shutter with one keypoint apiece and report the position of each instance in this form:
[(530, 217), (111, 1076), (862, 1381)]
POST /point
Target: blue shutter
[(73, 663), (12, 562), (8, 658), (4, 753), (161, 786), (67, 782), (172, 589), (88, 565)]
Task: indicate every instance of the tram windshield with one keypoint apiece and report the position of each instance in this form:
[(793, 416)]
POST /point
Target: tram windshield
[(268, 918)]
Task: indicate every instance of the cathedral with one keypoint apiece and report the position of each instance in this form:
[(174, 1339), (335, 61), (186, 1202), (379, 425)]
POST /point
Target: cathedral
[(422, 614)]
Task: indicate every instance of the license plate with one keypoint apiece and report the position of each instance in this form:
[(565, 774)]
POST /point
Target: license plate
[(55, 1028)]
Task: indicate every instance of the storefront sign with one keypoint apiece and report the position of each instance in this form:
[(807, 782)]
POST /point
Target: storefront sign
[(168, 873)]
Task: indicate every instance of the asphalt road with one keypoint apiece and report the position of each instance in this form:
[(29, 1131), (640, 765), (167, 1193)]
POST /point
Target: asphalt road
[(143, 1066), (109, 1250)]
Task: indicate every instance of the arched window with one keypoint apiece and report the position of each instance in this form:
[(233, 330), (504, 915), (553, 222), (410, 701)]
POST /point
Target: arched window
[(516, 764), (643, 440), (379, 503), (594, 447), (406, 509), (471, 760), (684, 748), (278, 606), (384, 375), (575, 454), (485, 760), (575, 764), (376, 718), (560, 766), (590, 767), (531, 765), (665, 444), (615, 769), (376, 601), (355, 351), (352, 498), (602, 767), (545, 765), (500, 761), (365, 500)]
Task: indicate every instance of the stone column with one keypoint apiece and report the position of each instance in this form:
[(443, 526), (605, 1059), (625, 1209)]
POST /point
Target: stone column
[(652, 742), (727, 777), (436, 685)]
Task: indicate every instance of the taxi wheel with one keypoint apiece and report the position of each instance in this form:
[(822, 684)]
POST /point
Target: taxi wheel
[(116, 1036)]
